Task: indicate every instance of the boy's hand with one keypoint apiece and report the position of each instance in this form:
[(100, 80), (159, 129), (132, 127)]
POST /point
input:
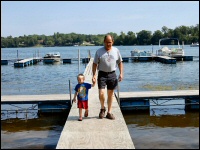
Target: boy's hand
[(74, 100)]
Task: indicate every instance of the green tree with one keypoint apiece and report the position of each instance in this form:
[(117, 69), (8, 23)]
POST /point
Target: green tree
[(156, 36), (144, 37)]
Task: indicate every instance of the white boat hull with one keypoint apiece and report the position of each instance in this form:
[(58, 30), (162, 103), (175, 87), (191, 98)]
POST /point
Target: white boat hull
[(51, 57), (140, 53), (165, 51)]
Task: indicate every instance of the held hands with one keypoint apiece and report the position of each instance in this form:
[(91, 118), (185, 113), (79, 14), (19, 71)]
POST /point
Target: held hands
[(94, 79)]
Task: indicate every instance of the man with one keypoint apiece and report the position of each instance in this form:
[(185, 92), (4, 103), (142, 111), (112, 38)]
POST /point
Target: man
[(107, 59)]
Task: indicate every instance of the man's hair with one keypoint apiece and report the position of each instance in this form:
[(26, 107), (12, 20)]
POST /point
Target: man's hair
[(107, 36)]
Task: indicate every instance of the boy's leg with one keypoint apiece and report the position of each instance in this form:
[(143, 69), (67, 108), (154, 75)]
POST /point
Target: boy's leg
[(86, 113), (80, 106), (80, 114), (85, 105)]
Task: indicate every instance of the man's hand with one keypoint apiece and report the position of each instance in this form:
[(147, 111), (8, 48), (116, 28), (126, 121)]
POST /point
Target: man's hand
[(94, 79), (120, 77)]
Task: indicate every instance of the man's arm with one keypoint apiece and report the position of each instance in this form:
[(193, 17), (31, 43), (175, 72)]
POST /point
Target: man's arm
[(121, 70), (94, 68)]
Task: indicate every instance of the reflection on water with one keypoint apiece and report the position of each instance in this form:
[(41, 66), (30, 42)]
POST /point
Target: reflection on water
[(38, 133), (189, 119), (20, 111), (163, 131)]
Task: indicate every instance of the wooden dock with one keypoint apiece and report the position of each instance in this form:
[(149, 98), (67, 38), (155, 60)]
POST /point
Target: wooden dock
[(92, 132)]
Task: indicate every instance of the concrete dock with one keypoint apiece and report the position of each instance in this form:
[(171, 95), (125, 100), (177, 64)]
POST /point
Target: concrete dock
[(92, 132)]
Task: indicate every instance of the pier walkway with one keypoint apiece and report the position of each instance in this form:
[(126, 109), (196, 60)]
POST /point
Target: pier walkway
[(92, 132)]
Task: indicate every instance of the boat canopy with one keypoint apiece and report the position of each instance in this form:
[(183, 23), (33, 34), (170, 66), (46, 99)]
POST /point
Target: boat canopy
[(169, 39)]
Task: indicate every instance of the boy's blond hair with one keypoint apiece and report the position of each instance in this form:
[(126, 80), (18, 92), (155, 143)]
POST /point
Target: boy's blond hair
[(80, 74)]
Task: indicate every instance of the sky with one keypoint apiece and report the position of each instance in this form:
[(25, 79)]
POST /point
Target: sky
[(19, 18)]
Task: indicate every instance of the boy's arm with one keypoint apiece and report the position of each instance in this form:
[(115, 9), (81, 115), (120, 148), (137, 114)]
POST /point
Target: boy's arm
[(75, 96)]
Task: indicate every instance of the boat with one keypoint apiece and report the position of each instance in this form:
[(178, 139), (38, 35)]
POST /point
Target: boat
[(51, 57), (194, 45), (170, 52), (137, 52)]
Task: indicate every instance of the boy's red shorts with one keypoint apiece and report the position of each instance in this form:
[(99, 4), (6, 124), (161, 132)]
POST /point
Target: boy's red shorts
[(82, 104)]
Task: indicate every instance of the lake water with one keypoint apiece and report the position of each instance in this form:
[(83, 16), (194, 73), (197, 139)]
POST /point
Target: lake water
[(165, 127)]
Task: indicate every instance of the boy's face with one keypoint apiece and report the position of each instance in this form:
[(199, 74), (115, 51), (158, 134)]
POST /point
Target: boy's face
[(80, 79)]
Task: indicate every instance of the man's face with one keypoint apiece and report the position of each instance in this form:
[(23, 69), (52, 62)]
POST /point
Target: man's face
[(108, 43)]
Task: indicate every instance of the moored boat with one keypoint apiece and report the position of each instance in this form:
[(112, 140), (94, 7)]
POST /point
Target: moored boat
[(194, 45), (51, 57), (170, 52), (140, 53)]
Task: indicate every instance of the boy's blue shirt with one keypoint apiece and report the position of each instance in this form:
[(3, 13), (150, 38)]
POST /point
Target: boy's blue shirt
[(82, 90)]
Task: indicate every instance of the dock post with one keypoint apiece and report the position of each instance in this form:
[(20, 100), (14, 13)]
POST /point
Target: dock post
[(89, 54), (118, 93), (70, 91), (78, 61), (17, 56), (85, 62)]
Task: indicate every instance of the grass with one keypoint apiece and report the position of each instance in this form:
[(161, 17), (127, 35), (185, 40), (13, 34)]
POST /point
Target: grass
[(168, 88), (86, 44)]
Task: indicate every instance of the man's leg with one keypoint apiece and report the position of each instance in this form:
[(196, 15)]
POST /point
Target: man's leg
[(102, 100), (110, 100), (111, 85), (102, 97)]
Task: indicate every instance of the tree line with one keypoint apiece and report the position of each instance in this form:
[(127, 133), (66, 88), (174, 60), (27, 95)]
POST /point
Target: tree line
[(183, 33)]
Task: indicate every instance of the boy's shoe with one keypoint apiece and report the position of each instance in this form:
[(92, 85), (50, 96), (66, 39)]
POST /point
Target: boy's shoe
[(110, 116), (80, 119), (86, 113), (102, 113)]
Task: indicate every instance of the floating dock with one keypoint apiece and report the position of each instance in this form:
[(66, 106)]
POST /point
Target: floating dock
[(26, 62), (162, 59), (4, 62), (141, 100)]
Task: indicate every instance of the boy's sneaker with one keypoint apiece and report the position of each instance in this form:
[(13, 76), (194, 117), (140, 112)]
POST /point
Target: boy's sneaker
[(110, 116), (102, 113)]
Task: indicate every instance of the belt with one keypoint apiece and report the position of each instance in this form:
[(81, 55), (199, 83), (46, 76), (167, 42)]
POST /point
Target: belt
[(106, 72)]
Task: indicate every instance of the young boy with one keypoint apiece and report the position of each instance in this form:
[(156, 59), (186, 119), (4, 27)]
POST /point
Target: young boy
[(81, 94)]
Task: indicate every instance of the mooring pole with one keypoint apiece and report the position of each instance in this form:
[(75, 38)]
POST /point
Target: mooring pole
[(70, 91), (118, 93), (17, 55)]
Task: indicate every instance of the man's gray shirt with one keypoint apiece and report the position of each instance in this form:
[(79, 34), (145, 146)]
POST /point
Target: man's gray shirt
[(107, 61)]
